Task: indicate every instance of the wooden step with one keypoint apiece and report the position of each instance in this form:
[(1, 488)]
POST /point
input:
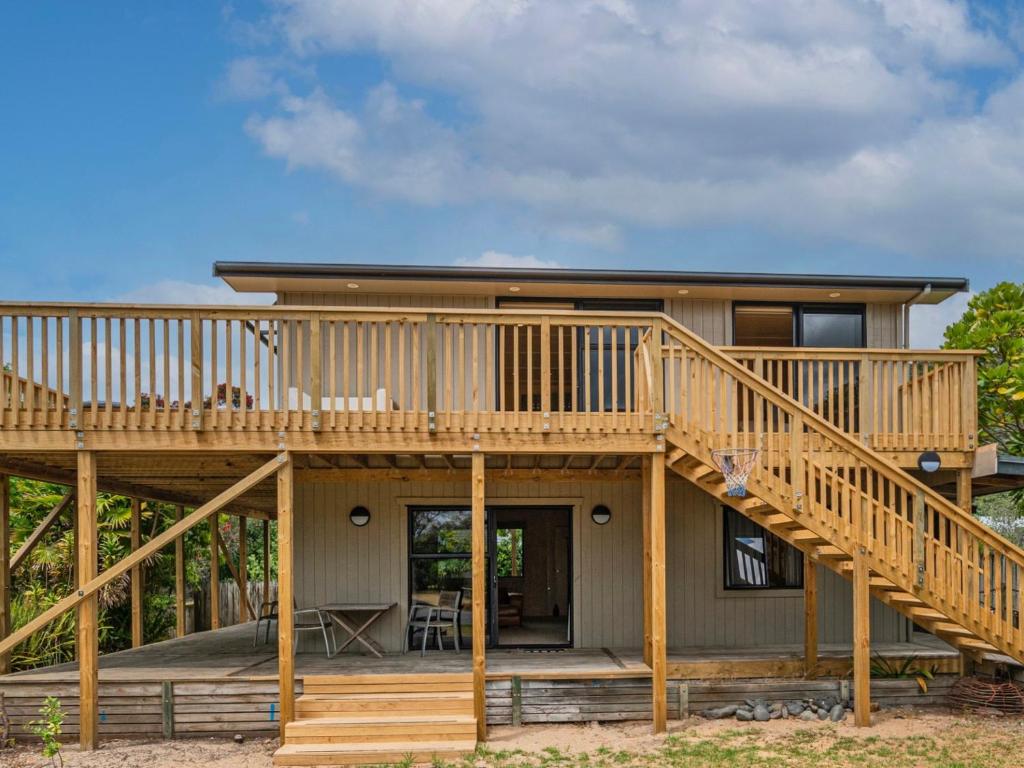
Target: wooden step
[(370, 684), (328, 704), (381, 729), (374, 753), (832, 553)]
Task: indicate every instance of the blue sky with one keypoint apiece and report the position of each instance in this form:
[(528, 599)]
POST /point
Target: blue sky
[(140, 141)]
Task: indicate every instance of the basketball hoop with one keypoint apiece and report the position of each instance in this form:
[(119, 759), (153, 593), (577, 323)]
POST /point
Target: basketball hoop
[(735, 464)]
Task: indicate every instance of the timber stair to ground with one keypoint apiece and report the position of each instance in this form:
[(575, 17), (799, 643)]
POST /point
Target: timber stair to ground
[(374, 719), (699, 468)]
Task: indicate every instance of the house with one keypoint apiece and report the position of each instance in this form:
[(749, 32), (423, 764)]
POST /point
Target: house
[(549, 447)]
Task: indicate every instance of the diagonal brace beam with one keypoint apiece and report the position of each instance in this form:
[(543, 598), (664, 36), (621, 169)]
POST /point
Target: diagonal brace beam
[(150, 548), (37, 535)]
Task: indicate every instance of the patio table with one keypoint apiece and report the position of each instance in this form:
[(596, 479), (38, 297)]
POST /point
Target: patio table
[(339, 614)]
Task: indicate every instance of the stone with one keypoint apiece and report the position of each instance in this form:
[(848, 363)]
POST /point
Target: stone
[(808, 715), (720, 712), (761, 713), (775, 714), (795, 707), (239, 738), (837, 714), (744, 715), (822, 713)]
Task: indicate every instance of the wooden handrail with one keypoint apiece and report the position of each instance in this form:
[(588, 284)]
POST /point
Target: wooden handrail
[(811, 419), (857, 496)]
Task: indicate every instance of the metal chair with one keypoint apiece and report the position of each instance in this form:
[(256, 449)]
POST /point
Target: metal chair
[(305, 620), (447, 614)]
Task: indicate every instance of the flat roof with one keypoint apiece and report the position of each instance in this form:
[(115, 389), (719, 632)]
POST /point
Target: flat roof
[(314, 277)]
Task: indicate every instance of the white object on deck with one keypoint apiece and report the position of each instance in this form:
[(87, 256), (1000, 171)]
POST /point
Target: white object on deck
[(376, 403)]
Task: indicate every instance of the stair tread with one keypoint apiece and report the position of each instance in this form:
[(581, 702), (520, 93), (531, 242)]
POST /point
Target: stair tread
[(319, 722), (371, 747)]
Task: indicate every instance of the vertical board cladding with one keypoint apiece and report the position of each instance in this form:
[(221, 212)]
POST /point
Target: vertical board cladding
[(335, 561), (711, 319), (884, 322)]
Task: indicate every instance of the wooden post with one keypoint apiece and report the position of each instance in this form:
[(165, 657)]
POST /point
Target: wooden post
[(645, 495), (5, 567), (659, 653), (136, 576), (810, 617), (243, 571), (88, 631), (266, 563), (964, 500), (861, 640), (179, 577), (285, 594), (214, 573), (479, 601)]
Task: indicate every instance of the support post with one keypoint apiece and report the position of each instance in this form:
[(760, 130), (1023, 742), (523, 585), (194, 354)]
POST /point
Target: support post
[(179, 576), (964, 500), (285, 593), (645, 494), (136, 575), (243, 570), (479, 602), (88, 633), (214, 572), (5, 568), (861, 640), (659, 653), (266, 563), (810, 617)]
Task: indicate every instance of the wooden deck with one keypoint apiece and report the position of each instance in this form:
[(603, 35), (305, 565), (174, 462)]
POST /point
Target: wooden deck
[(228, 654)]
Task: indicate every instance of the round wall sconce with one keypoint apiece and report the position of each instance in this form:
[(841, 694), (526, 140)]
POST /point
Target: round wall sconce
[(601, 514), (359, 516), (929, 462)]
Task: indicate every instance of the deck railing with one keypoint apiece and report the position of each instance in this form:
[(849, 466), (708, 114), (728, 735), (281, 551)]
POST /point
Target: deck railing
[(274, 368), (114, 367), (894, 399)]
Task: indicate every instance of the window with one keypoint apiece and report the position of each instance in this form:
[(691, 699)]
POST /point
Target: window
[(510, 551), (798, 325), (758, 559), (440, 551)]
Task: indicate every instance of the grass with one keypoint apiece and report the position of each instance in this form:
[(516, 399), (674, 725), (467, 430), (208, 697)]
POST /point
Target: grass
[(963, 743)]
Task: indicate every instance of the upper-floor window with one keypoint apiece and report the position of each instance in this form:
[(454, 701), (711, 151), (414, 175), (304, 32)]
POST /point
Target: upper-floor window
[(798, 325)]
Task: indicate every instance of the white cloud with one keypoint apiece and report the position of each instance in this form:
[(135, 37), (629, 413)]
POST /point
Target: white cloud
[(250, 77), (507, 260), (838, 118), (928, 322), (182, 292)]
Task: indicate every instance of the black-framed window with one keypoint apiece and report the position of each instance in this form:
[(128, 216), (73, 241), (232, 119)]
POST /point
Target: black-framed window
[(773, 324), (758, 559), (440, 551)]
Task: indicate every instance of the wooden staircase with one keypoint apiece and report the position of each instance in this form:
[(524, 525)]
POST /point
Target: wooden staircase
[(376, 719), (831, 497)]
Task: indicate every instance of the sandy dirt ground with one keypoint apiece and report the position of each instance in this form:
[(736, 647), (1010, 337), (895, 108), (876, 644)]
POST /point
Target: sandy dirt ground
[(632, 737)]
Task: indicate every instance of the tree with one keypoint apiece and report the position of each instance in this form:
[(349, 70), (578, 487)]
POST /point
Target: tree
[(994, 324)]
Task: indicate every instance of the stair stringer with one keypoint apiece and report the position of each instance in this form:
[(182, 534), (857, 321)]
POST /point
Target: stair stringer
[(762, 504)]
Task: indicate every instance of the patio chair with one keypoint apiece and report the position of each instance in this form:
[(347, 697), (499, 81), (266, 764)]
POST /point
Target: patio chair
[(305, 620), (424, 617)]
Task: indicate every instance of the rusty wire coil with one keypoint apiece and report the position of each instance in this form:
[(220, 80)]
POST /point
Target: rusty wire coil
[(974, 693)]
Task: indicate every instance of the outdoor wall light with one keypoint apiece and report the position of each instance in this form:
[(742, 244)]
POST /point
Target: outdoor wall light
[(359, 516), (929, 462), (601, 514)]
